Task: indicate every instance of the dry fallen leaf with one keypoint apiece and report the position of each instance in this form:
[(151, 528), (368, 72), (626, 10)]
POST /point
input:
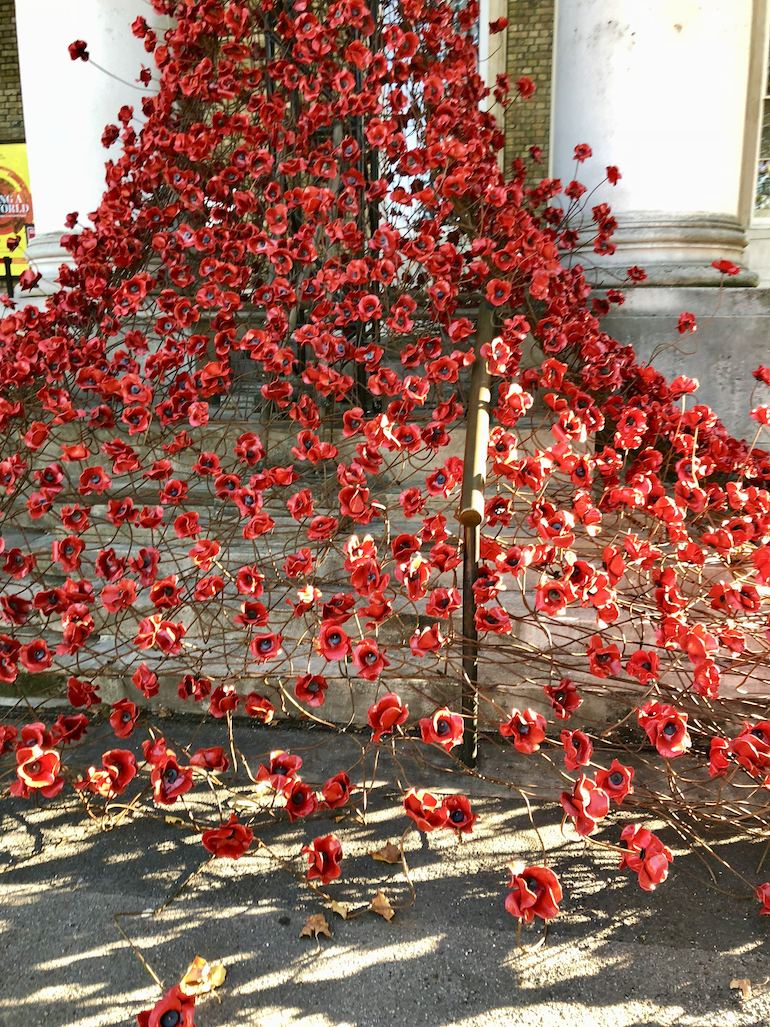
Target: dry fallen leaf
[(744, 984), (381, 905), (315, 925), (201, 977), (340, 907), (390, 854), (176, 821)]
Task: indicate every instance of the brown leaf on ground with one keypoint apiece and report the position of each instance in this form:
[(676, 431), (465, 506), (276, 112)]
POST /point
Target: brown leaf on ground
[(744, 984), (315, 925), (381, 905), (342, 908), (390, 854), (201, 977)]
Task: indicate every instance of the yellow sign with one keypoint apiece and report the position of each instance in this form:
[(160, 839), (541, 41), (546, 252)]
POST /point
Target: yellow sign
[(16, 216)]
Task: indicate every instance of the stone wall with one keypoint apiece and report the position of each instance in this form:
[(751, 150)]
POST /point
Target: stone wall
[(11, 115), (530, 52)]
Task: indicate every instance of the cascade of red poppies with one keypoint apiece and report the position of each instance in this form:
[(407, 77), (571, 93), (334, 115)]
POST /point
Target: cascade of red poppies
[(231, 449)]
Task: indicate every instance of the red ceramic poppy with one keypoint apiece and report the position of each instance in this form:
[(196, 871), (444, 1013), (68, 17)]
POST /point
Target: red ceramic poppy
[(228, 841)]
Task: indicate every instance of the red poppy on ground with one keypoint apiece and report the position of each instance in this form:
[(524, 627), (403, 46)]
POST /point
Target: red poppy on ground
[(37, 767), (460, 816), (169, 780), (444, 728), (535, 891), (425, 809), (118, 770), (210, 759), (175, 1009), (336, 791), (666, 728), (527, 729), (324, 856), (301, 800), (228, 841), (65, 729), (586, 805), (647, 856), (763, 894), (281, 771)]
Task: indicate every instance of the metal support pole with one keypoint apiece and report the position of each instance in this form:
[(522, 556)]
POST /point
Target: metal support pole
[(8, 277), (470, 515)]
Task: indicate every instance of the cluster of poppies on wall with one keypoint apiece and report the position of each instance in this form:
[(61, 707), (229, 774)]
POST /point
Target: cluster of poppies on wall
[(261, 345)]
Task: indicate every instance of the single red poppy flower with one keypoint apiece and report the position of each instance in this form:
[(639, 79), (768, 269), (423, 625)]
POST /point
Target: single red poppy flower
[(169, 780), (647, 856), (123, 717), (564, 698), (535, 891), (527, 730), (763, 894), (587, 805), (444, 728), (228, 841), (224, 699), (578, 749), (369, 660), (386, 714), (425, 809), (210, 759), (259, 707), (301, 800), (324, 856), (281, 771), (666, 728), (175, 1009), (336, 791), (37, 767), (460, 816), (616, 781)]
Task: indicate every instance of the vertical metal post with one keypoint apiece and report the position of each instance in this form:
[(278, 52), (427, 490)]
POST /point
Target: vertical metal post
[(470, 515), (8, 277)]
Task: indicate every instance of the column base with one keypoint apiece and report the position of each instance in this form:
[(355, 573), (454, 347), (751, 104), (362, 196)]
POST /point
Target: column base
[(673, 248), (45, 256)]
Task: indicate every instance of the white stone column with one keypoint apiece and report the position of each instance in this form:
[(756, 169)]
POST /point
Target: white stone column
[(658, 88), (67, 105)]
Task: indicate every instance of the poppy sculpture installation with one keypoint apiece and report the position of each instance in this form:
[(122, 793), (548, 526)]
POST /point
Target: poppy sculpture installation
[(232, 461)]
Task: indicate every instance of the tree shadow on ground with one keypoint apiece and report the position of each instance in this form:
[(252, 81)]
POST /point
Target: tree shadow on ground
[(616, 955)]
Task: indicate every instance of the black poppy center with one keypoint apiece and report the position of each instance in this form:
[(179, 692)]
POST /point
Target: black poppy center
[(170, 775), (616, 778), (457, 816), (170, 1018), (669, 729), (442, 727)]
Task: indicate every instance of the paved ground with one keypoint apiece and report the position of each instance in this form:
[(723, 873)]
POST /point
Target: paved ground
[(616, 956)]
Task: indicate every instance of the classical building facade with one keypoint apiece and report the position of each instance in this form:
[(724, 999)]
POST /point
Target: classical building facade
[(672, 92)]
